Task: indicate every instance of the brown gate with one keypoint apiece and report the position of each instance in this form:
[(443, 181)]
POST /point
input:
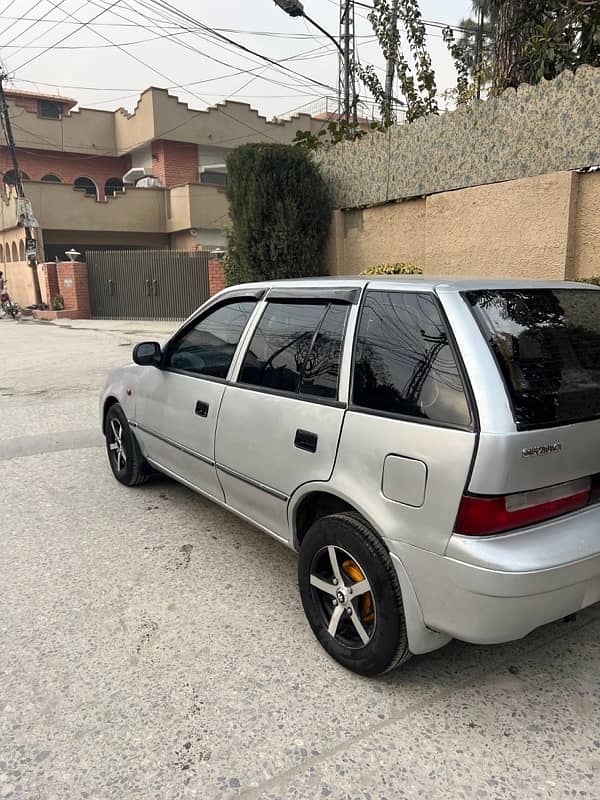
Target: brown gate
[(146, 284)]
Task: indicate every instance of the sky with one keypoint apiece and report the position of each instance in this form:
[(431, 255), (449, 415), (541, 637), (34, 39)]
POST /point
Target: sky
[(47, 46)]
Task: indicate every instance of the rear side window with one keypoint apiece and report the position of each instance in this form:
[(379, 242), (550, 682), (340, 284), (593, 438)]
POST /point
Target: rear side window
[(403, 362), (297, 348), (547, 344), (209, 346)]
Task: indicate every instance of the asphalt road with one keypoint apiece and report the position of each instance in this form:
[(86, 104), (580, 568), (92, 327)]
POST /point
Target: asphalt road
[(153, 646)]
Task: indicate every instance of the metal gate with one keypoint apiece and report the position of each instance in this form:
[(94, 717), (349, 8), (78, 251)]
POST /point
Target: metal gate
[(146, 284)]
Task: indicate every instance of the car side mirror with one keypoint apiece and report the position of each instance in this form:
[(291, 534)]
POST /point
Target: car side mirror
[(147, 354)]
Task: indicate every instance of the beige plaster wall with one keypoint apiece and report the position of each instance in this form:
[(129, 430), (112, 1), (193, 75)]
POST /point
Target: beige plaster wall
[(587, 229), (135, 129), (20, 281), (374, 235), (542, 227), (85, 131), (227, 125), (516, 229), (59, 206)]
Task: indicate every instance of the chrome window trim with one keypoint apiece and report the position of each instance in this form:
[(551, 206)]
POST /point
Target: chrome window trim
[(348, 333)]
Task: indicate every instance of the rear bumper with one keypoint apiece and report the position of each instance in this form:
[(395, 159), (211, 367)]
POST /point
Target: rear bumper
[(488, 606)]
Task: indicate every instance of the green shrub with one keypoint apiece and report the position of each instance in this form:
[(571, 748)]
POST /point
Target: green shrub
[(280, 212), (400, 268), (58, 303), (594, 280), (233, 274)]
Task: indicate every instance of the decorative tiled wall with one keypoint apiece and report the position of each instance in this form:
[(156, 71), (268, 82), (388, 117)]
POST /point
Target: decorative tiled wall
[(534, 130)]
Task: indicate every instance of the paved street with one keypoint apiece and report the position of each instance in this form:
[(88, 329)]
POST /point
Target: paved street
[(154, 647)]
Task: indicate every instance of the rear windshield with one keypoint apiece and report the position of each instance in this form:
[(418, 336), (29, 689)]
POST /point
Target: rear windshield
[(547, 343)]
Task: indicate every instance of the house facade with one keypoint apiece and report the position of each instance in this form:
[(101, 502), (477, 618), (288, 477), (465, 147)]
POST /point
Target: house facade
[(152, 178)]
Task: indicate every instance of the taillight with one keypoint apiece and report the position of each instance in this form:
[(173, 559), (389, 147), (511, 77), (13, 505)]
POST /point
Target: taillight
[(595, 498), (480, 515)]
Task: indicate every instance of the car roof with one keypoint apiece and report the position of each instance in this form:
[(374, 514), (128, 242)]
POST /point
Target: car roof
[(412, 282)]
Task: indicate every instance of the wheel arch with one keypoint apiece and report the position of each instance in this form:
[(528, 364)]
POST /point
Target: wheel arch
[(324, 501), (316, 501), (109, 402)]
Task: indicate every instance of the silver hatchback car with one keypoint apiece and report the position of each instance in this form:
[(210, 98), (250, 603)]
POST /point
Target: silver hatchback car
[(431, 448)]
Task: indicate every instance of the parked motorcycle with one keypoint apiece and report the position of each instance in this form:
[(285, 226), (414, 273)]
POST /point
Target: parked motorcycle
[(8, 306)]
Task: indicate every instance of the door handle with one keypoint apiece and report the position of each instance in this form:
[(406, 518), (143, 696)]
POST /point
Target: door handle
[(306, 440), (202, 409)]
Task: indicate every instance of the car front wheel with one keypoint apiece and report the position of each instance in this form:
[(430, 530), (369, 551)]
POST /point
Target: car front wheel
[(351, 595), (124, 455)]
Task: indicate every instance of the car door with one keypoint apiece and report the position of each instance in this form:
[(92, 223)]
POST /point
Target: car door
[(280, 420), (178, 404)]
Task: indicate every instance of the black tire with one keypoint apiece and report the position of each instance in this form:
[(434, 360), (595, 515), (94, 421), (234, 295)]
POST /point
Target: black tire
[(381, 617), (127, 462)]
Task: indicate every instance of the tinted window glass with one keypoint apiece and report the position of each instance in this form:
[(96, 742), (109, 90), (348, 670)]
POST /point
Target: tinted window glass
[(285, 353), (404, 363), (208, 348), (547, 343), (322, 365)]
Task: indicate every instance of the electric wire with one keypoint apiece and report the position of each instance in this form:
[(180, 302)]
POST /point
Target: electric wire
[(67, 36)]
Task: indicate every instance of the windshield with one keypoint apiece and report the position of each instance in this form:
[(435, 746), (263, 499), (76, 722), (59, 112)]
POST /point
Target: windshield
[(547, 344)]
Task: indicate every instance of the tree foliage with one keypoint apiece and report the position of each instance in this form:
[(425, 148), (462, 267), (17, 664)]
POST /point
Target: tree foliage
[(334, 132), (417, 83), (280, 211), (414, 72), (526, 41)]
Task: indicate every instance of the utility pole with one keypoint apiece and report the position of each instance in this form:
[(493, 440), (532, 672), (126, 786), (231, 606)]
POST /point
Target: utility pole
[(10, 141), (346, 82), (479, 53), (392, 56)]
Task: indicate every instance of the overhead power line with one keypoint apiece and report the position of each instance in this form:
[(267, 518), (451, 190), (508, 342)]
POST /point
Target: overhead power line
[(243, 31), (179, 42), (177, 86), (67, 36), (191, 20), (208, 34)]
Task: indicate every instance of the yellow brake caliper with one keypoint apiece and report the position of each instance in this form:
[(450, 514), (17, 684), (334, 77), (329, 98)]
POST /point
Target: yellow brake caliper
[(367, 610)]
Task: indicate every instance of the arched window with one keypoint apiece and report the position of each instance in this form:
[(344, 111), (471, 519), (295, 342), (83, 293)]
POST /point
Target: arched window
[(21, 250), (86, 185), (113, 186), (15, 252), (7, 256), (10, 177), (50, 178)]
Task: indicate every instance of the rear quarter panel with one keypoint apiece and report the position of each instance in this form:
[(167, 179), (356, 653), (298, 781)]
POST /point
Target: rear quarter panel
[(365, 443)]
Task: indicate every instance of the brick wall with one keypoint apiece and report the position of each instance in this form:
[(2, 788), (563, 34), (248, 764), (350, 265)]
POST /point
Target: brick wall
[(216, 276), (73, 286), (175, 162), (68, 166)]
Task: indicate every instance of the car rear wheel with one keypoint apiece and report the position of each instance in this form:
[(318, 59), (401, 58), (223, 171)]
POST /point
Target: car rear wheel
[(351, 595), (124, 455)]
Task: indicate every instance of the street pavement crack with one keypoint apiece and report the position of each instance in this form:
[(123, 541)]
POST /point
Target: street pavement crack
[(280, 781), (40, 443)]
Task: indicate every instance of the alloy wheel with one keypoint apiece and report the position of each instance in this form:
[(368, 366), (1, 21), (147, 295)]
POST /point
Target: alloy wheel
[(342, 591), (116, 445)]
